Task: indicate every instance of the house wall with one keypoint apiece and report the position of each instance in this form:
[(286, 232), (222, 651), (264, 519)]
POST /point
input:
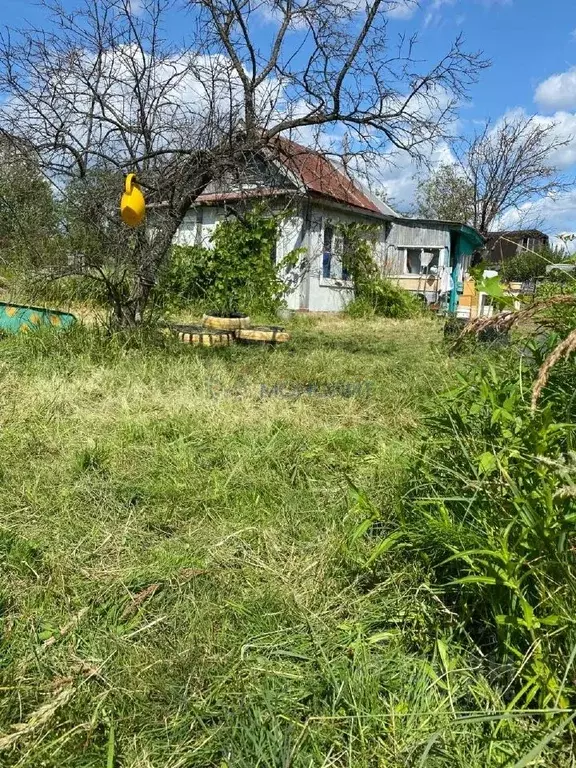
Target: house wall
[(309, 290), (331, 294), (402, 236), (293, 235), (305, 229), (191, 233), (394, 264), (508, 245)]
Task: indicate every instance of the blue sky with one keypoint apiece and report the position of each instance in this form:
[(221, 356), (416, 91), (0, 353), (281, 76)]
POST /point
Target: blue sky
[(532, 46)]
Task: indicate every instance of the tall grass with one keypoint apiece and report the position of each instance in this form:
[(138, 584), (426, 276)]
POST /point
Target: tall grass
[(182, 580), (489, 516)]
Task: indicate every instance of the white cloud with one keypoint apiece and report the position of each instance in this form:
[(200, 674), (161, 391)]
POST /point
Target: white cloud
[(402, 9), (558, 91), (565, 131), (435, 14), (394, 174), (563, 157), (136, 7)]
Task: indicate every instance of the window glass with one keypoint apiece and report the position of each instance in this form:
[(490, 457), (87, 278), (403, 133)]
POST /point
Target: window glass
[(327, 250), (414, 260)]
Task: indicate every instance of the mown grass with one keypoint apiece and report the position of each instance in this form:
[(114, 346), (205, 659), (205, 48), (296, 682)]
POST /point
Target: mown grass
[(182, 583)]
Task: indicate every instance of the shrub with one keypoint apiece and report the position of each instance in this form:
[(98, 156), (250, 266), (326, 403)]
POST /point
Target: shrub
[(237, 274), (380, 297), (561, 319), (490, 507), (524, 266), (246, 274), (187, 276), (373, 294)]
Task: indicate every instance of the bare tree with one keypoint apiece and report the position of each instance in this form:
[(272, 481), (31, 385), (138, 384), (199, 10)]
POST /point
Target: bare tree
[(101, 91), (508, 165), (498, 170)]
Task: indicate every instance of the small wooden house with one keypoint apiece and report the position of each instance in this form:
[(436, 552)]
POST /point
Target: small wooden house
[(501, 246), (424, 256)]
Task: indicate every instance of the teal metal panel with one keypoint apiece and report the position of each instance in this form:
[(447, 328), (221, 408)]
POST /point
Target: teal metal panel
[(18, 318), (465, 240)]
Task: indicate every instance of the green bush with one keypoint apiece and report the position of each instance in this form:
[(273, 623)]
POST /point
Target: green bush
[(374, 295), (236, 275), (247, 278), (187, 276), (559, 318), (379, 297), (490, 508), (524, 266)]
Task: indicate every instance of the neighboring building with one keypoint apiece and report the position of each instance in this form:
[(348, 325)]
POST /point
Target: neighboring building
[(501, 246), (421, 255), (445, 247)]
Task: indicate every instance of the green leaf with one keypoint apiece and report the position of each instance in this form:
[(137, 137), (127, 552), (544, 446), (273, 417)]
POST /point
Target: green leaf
[(361, 530), (510, 621), (476, 580), (551, 621), (487, 463), (380, 637), (384, 546)]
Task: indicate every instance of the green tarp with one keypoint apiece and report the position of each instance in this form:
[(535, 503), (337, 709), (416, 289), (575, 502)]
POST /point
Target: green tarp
[(17, 318)]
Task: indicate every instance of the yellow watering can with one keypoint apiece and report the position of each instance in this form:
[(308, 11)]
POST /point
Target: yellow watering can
[(132, 205)]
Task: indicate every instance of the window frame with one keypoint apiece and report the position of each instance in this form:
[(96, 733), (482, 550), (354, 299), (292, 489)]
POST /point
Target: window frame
[(327, 252), (438, 249), (336, 242)]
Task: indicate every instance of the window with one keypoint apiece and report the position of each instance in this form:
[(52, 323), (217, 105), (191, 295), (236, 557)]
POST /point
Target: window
[(419, 261), (332, 250), (345, 249), (327, 250)]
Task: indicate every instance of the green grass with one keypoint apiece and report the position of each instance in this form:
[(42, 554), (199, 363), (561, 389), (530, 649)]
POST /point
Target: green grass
[(181, 581)]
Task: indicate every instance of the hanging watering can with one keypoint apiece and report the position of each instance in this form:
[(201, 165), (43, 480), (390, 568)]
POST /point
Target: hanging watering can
[(132, 205)]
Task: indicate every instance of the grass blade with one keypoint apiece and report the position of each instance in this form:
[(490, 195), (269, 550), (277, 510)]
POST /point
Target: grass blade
[(543, 743)]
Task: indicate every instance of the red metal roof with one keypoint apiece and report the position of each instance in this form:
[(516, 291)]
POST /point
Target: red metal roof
[(321, 176), (314, 171)]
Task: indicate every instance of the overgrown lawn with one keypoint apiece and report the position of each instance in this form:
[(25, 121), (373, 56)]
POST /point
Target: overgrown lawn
[(183, 582)]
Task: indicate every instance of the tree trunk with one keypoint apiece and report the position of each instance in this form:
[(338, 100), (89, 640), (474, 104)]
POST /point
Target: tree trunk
[(149, 257)]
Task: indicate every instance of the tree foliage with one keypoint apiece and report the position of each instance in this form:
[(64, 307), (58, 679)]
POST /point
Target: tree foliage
[(446, 194), (27, 209)]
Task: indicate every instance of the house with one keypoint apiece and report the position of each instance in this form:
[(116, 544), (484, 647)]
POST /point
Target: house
[(501, 246), (424, 256)]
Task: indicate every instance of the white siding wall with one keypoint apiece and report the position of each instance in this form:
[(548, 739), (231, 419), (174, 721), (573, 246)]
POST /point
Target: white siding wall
[(186, 235), (293, 235), (309, 290), (331, 294)]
